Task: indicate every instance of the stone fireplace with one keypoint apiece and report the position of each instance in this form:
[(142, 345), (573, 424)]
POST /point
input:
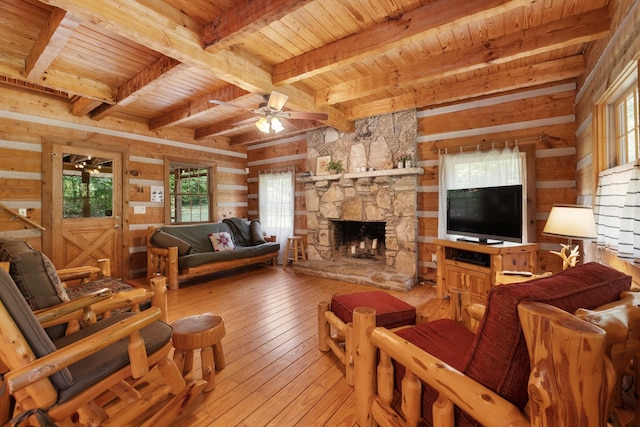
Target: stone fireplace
[(370, 201)]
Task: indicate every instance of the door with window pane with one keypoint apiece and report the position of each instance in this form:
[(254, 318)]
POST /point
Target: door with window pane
[(86, 203)]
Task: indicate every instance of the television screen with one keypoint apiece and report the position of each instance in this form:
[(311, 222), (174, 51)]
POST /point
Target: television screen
[(486, 213)]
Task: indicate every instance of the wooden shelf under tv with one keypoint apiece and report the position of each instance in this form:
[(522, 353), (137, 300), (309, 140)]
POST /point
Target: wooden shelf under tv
[(472, 266)]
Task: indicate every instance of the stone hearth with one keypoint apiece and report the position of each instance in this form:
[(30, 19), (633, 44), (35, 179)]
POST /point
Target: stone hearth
[(381, 194)]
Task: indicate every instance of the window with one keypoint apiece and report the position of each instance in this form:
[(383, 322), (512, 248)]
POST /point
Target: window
[(277, 204), (625, 119), (190, 193), (87, 187), (617, 201), (481, 169)]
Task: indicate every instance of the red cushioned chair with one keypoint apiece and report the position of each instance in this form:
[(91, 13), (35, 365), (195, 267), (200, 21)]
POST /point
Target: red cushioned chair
[(391, 313), (491, 367)]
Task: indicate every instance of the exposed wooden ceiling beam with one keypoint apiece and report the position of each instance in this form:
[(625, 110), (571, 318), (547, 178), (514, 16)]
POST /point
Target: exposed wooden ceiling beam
[(197, 108), (138, 22), (81, 106), (144, 82), (546, 72), (224, 126), (559, 34), (245, 17), (431, 19), (301, 126), (52, 38), (13, 68)]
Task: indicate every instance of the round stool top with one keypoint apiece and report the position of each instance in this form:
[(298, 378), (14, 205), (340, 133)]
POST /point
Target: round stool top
[(294, 237), (193, 332)]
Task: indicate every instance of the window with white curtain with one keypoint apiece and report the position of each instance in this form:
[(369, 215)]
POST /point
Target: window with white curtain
[(617, 211), (617, 202), (276, 195), (480, 169)]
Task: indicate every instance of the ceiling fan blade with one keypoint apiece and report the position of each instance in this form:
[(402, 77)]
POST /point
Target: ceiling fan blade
[(276, 101), (305, 115)]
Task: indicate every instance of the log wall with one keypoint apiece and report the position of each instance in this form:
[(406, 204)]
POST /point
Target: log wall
[(27, 120)]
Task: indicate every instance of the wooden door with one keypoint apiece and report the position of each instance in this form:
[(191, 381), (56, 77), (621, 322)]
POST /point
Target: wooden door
[(86, 207)]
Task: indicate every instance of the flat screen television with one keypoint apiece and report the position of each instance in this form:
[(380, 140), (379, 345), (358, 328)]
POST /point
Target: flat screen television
[(486, 213)]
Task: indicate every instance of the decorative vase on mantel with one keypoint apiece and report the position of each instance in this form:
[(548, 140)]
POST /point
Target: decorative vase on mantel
[(408, 164), (400, 164)]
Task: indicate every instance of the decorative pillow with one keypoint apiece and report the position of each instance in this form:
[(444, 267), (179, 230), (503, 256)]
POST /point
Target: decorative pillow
[(256, 232), (221, 241), (166, 240)]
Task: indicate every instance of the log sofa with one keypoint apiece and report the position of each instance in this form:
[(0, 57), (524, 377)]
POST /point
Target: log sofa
[(182, 252), (529, 348)]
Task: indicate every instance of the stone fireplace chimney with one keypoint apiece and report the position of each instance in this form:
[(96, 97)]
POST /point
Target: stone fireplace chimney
[(370, 190)]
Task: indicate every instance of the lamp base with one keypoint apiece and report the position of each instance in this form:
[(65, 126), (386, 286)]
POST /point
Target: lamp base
[(569, 259)]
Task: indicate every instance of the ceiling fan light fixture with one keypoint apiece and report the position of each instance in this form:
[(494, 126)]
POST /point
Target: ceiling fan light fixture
[(276, 125), (263, 125)]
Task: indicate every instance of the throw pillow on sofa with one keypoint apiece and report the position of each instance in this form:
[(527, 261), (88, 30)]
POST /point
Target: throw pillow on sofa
[(256, 232), (221, 241), (166, 240)]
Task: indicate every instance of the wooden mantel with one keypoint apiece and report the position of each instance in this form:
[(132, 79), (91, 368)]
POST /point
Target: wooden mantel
[(368, 174)]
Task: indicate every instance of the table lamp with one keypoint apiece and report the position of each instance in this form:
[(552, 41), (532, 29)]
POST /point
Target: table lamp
[(570, 222)]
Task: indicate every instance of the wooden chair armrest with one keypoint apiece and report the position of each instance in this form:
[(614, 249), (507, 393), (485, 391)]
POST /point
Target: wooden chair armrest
[(60, 313), (484, 405), (124, 298), (85, 273), (45, 366), (78, 273)]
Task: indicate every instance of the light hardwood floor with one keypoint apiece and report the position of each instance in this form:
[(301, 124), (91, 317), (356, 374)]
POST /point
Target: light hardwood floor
[(274, 375)]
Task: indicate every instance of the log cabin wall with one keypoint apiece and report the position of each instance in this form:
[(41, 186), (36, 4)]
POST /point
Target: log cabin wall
[(33, 119), (518, 116), (605, 62), (540, 121)]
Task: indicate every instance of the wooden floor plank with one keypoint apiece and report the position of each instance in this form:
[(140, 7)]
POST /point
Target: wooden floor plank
[(274, 374)]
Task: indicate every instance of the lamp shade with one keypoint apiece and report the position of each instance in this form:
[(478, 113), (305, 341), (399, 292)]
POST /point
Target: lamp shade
[(572, 222), (263, 125)]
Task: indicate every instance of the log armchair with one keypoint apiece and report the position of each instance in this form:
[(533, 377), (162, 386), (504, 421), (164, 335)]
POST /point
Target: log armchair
[(79, 379), (444, 375), (43, 286)]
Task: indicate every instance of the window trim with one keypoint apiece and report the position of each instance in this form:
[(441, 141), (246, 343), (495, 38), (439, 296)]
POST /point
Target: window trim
[(604, 150), (212, 166)]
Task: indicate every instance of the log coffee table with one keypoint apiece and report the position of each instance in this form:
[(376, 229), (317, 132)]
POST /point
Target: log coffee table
[(204, 332)]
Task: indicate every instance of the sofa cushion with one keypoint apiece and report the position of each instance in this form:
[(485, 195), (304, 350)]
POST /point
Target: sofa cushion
[(166, 240), (33, 273), (101, 364), (34, 334), (196, 259), (221, 241), (257, 235), (499, 357), (240, 231), (197, 234)]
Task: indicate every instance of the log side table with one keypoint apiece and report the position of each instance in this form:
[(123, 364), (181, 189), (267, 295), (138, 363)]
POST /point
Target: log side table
[(204, 332)]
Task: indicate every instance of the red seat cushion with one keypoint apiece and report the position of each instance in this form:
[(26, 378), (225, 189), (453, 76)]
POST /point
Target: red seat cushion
[(391, 312)]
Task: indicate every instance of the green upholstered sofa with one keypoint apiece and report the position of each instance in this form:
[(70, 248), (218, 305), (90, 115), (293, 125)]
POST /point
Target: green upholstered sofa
[(181, 252)]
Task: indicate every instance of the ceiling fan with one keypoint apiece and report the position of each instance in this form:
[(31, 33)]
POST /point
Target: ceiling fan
[(272, 113)]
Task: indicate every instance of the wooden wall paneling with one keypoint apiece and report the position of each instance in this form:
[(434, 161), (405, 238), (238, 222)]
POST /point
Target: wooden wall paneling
[(520, 110)]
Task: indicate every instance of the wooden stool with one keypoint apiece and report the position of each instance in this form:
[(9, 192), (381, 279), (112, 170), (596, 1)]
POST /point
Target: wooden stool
[(295, 245), (202, 332)]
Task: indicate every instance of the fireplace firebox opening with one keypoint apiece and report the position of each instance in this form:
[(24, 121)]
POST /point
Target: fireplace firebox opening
[(358, 239)]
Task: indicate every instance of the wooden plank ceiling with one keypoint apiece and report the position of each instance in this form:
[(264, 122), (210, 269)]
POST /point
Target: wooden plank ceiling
[(161, 62)]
